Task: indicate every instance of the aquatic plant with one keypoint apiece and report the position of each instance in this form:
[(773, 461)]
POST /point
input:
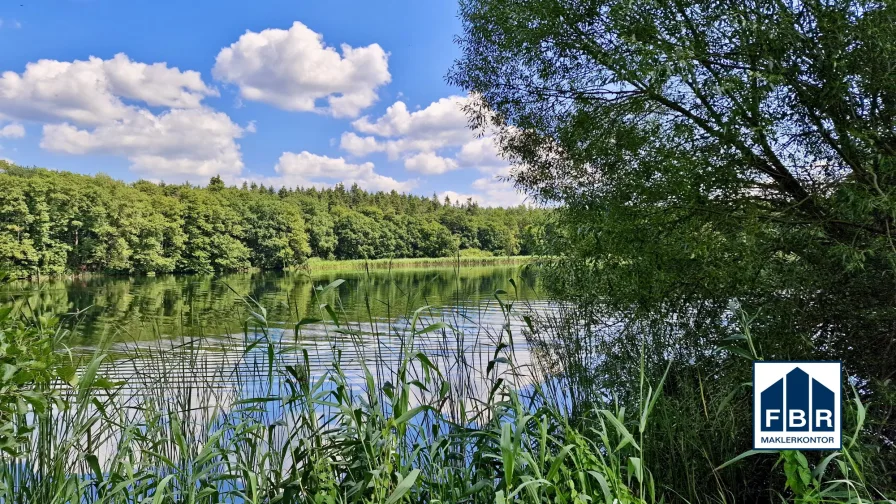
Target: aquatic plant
[(437, 426)]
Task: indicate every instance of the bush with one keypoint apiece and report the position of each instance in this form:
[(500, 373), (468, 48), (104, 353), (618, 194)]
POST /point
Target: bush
[(475, 252)]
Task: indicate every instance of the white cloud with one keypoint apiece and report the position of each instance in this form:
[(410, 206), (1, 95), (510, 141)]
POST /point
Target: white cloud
[(102, 107), (430, 163), (13, 130), (444, 115), (439, 125), (190, 144), (307, 169), (456, 196), (156, 84), (294, 69), (90, 93), (433, 140), (358, 145), (489, 192), (496, 192), (484, 155)]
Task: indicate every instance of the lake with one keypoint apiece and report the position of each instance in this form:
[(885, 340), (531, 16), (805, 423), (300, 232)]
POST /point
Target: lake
[(171, 331)]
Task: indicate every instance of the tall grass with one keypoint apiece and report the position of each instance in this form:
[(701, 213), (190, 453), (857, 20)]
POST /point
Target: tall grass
[(453, 415), (700, 438), (461, 260)]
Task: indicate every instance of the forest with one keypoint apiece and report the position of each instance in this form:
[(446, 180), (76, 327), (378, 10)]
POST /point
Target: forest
[(59, 222), (720, 184)]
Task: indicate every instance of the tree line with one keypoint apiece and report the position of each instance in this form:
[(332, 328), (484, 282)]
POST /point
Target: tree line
[(59, 222)]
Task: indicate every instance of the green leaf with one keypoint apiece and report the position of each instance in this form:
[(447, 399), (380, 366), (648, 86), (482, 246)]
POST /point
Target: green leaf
[(433, 327), (159, 494), (308, 320), (411, 414), (94, 464), (403, 486), (68, 374), (742, 456), (9, 371), (634, 467), (621, 431)]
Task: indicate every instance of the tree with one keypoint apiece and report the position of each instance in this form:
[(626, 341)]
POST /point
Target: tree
[(16, 246), (705, 153), (319, 227), (741, 135), (356, 234), (531, 240), (213, 233), (461, 225), (216, 184), (275, 233), (435, 240), (56, 222)]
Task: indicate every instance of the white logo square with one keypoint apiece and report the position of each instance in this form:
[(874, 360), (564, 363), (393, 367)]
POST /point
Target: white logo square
[(796, 405)]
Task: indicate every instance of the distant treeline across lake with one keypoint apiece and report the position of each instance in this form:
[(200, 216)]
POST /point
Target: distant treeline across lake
[(60, 222)]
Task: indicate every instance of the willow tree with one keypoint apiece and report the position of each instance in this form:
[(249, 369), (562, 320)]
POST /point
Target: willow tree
[(706, 153)]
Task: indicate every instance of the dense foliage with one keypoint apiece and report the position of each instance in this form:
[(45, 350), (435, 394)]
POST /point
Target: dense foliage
[(708, 155), (29, 363), (55, 222)]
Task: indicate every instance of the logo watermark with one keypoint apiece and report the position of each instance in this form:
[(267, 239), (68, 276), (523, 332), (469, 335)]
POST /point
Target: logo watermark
[(796, 405)]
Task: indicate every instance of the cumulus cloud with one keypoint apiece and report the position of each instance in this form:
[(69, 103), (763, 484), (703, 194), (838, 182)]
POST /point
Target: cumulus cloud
[(307, 169), (496, 192), (102, 106), (456, 197), (155, 84), (13, 130), (434, 139), (430, 163), (89, 93), (441, 124), (489, 192), (190, 144), (484, 155), (442, 115), (358, 145), (294, 69)]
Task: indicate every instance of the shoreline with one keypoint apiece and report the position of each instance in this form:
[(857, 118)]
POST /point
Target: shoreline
[(317, 265)]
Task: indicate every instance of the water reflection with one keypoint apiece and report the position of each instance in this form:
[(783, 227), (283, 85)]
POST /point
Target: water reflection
[(183, 344), (147, 308)]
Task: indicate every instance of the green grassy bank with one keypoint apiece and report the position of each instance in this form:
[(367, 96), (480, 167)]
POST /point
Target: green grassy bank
[(315, 264)]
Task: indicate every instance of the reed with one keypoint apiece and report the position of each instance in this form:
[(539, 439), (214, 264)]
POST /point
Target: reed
[(270, 423)]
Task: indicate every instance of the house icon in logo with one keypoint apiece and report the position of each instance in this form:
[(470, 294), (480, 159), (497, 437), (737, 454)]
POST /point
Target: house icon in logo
[(797, 415), (796, 405)]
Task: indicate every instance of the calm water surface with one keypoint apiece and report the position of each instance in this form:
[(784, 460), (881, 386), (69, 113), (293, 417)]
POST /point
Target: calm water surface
[(193, 329)]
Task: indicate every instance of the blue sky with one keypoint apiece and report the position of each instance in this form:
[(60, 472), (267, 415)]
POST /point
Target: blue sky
[(282, 93)]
